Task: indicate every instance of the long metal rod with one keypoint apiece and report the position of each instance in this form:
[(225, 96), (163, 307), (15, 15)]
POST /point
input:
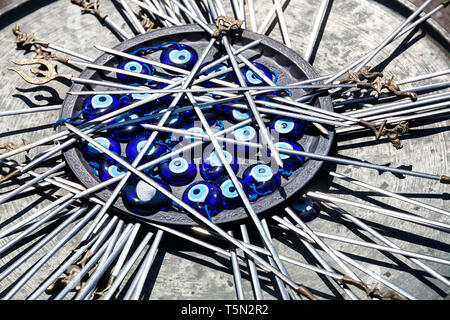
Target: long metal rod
[(56, 274), (342, 256), (236, 272), (318, 257), (390, 213), (315, 31), (368, 244), (134, 20), (388, 193), (251, 266), (32, 271), (389, 243), (124, 271), (186, 207)]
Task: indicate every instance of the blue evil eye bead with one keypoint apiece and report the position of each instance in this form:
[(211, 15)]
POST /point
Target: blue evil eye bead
[(305, 208), (260, 180), (194, 129), (135, 67), (236, 115), (245, 134), (99, 105), (231, 198), (178, 171), (110, 168), (179, 55), (252, 79), (212, 168), (175, 120), (205, 197), (128, 131), (287, 128), (291, 162), (92, 153), (215, 69), (141, 198), (136, 145)]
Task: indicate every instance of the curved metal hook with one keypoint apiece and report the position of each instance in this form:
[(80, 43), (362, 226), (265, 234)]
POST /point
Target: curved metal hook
[(45, 75)]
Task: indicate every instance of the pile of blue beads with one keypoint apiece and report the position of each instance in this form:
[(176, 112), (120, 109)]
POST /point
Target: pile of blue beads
[(202, 180)]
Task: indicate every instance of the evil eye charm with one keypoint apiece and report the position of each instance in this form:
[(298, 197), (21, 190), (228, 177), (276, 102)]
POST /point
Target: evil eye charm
[(128, 131), (260, 180), (141, 198), (110, 168), (245, 134), (175, 120), (291, 162), (205, 197), (216, 69), (287, 128), (136, 145), (252, 79), (212, 168), (194, 129), (99, 105), (92, 153), (179, 55), (235, 115), (305, 208), (178, 171), (134, 67), (231, 198)]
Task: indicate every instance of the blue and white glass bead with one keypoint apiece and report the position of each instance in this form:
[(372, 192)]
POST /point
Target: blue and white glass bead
[(287, 128), (92, 153), (260, 180), (212, 168), (235, 115), (205, 197), (231, 198), (136, 145), (135, 67), (194, 129), (128, 131), (291, 162), (215, 69), (305, 208), (110, 168), (141, 198), (99, 105), (252, 79), (179, 55), (244, 134), (178, 171)]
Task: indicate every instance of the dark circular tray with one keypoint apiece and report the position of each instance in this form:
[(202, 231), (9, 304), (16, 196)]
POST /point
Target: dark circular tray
[(290, 68)]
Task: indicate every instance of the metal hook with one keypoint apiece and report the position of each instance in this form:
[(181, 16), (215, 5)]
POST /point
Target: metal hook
[(46, 75)]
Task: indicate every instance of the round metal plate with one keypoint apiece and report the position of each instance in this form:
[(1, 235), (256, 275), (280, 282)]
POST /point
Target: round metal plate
[(288, 65)]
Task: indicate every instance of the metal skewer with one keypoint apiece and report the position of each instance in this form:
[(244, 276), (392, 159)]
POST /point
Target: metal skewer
[(377, 235), (315, 31)]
